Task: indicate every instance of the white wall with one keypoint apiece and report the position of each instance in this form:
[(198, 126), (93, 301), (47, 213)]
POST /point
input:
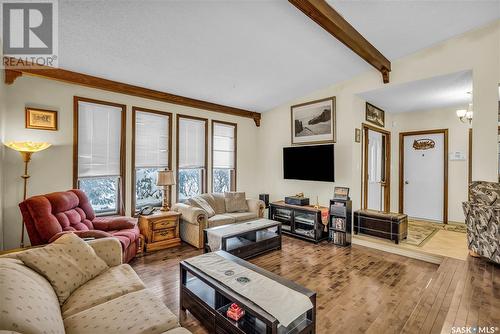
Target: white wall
[(51, 170), (458, 134), (476, 50)]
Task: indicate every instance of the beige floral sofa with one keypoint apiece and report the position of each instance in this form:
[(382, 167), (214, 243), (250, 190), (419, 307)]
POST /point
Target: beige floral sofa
[(116, 301), (222, 209)]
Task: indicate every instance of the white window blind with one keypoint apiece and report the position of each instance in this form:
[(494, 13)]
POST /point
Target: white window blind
[(223, 145), (151, 140), (191, 143), (99, 136)]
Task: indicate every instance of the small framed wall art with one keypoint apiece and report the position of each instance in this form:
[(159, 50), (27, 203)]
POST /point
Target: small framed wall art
[(314, 122), (357, 135), (375, 115), (41, 119)]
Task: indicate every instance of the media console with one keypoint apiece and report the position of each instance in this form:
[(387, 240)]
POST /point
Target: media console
[(304, 222)]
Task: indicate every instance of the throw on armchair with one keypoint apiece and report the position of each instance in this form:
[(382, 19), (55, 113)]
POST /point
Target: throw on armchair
[(47, 217), (210, 210), (482, 217)]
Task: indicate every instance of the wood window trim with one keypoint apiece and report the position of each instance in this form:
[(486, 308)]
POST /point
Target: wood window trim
[(121, 194), (364, 163), (204, 183), (169, 165), (445, 168), (233, 187)]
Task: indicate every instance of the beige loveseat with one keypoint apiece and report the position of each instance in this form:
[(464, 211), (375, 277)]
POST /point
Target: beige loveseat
[(116, 301), (194, 219)]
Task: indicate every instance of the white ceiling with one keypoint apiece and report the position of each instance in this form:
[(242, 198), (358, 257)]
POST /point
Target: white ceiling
[(445, 91), (248, 54)]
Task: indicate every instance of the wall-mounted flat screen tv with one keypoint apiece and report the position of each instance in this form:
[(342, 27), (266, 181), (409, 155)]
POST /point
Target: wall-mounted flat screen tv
[(313, 163)]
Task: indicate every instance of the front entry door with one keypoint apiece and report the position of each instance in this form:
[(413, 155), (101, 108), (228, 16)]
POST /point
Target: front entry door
[(424, 160)]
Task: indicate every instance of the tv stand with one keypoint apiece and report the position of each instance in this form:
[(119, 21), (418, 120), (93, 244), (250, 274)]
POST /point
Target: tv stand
[(304, 222)]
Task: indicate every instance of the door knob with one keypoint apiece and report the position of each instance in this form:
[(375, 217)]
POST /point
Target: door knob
[(406, 182)]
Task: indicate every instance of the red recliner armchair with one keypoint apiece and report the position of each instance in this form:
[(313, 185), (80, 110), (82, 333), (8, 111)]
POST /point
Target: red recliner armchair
[(49, 216)]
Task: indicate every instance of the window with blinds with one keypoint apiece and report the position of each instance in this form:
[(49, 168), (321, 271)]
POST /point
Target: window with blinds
[(99, 153), (151, 152), (191, 156), (223, 156)]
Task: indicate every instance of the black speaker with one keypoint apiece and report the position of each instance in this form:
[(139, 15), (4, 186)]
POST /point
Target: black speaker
[(265, 198)]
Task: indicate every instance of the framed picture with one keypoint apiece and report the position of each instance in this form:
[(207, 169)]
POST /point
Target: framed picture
[(375, 115), (357, 135), (41, 119), (341, 193), (314, 122)]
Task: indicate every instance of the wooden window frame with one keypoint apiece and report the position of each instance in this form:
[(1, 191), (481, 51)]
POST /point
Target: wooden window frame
[(123, 134), (204, 183), (233, 185), (169, 165)]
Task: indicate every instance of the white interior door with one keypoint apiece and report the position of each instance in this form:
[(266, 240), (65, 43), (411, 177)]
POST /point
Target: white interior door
[(375, 156), (424, 176)]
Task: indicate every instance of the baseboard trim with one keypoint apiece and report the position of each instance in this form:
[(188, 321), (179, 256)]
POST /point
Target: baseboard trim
[(423, 256)]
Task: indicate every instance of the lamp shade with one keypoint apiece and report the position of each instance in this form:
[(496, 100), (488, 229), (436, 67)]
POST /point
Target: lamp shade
[(27, 146), (165, 178)]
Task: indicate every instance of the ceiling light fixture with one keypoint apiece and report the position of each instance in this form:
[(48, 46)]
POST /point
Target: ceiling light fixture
[(466, 115)]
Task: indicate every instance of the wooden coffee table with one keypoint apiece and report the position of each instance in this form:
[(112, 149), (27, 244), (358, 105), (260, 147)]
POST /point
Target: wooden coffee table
[(208, 300), (246, 239)]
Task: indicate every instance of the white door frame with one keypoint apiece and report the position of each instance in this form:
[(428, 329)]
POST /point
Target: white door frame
[(402, 136)]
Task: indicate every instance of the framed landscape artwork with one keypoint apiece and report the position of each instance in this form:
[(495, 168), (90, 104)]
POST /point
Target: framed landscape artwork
[(375, 115), (41, 119), (314, 122)]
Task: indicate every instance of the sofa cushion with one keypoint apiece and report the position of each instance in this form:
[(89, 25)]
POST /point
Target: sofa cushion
[(127, 236), (200, 202), (67, 264), (243, 216), (28, 304), (114, 282), (235, 202), (114, 223), (219, 220), (133, 313), (220, 204)]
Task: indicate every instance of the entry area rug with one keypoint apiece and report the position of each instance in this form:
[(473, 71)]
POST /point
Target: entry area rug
[(419, 232)]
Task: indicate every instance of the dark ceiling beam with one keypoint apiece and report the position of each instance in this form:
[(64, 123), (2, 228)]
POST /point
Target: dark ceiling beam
[(17, 67), (328, 18)]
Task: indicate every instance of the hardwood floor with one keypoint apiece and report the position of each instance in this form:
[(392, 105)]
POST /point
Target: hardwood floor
[(360, 290)]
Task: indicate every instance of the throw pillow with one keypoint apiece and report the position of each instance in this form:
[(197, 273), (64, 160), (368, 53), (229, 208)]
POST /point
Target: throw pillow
[(199, 202), (235, 202), (67, 263)]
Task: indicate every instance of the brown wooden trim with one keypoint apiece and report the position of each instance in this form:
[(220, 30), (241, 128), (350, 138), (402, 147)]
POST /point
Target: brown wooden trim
[(445, 169), (364, 163), (232, 187), (169, 165), (469, 159), (17, 67), (122, 192), (11, 76), (330, 20), (334, 121), (28, 126), (204, 182)]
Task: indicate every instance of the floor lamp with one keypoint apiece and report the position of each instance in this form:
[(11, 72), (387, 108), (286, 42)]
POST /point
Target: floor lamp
[(26, 149)]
